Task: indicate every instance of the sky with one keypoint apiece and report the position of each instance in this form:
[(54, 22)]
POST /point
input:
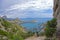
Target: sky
[(26, 8)]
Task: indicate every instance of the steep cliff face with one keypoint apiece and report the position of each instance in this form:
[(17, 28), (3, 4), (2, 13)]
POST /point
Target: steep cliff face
[(57, 15)]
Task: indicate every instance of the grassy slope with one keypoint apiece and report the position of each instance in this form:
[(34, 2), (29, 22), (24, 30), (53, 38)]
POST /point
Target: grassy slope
[(10, 31)]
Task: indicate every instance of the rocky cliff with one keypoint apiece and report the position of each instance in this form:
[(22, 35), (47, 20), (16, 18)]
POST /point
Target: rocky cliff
[(57, 15)]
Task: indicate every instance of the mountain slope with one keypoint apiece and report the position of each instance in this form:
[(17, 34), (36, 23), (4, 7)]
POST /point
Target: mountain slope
[(10, 31)]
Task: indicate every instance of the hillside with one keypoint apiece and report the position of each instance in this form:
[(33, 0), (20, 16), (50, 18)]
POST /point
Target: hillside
[(10, 31)]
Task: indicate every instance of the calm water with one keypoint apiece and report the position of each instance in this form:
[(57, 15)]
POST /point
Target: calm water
[(31, 25)]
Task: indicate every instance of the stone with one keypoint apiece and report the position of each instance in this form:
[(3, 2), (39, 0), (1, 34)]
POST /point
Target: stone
[(57, 16)]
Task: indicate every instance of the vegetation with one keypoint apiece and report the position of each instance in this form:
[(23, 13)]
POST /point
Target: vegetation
[(41, 33), (50, 28), (12, 31)]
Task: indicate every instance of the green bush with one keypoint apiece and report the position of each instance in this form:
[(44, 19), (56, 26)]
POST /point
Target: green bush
[(6, 23), (50, 28), (28, 34)]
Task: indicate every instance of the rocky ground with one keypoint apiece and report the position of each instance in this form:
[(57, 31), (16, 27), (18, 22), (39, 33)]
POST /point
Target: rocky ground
[(36, 38)]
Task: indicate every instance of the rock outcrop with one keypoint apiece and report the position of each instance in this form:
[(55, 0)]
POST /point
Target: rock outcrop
[(57, 16)]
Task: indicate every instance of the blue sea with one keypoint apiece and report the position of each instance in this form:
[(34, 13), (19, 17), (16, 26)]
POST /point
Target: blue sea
[(32, 25)]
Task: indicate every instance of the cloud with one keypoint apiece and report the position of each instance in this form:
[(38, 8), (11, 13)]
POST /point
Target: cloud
[(46, 15), (30, 13), (37, 4), (30, 9)]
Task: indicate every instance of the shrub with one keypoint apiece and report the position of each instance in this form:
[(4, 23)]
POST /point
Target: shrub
[(50, 28)]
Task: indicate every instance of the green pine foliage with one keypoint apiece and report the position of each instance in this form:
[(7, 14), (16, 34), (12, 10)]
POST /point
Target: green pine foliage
[(50, 28)]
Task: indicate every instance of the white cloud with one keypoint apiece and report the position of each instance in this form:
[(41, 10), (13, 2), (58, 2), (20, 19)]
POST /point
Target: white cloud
[(26, 15), (37, 4), (46, 15)]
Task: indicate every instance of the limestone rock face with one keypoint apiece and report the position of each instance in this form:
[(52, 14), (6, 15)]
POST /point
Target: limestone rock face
[(57, 15)]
